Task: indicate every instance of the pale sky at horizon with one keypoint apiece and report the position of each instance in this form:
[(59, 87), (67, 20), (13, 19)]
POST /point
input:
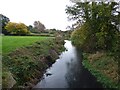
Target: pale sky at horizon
[(50, 12)]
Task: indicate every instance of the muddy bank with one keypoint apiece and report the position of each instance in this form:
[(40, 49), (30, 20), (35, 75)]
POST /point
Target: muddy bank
[(27, 64)]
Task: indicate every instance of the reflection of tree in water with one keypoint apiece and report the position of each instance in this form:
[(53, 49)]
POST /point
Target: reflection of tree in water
[(74, 71), (77, 76)]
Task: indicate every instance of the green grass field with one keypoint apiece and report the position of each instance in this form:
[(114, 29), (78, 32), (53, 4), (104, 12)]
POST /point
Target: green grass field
[(10, 43)]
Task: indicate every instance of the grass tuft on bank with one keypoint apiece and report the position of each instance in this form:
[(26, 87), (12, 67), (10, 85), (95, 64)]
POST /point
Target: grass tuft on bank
[(104, 67)]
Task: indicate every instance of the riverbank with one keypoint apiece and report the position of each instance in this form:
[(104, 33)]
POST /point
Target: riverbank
[(104, 67), (24, 67)]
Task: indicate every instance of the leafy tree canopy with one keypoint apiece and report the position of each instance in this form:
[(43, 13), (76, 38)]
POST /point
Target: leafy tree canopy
[(17, 28)]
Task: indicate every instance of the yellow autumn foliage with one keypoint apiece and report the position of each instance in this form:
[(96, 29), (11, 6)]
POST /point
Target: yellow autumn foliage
[(17, 28)]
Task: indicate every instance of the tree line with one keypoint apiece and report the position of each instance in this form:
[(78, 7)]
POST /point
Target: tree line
[(13, 28)]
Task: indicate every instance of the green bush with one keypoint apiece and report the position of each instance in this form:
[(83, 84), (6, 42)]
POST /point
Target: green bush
[(17, 28), (84, 38), (79, 36)]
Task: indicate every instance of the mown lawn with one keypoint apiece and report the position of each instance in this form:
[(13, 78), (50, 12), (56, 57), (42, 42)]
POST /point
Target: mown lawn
[(10, 43)]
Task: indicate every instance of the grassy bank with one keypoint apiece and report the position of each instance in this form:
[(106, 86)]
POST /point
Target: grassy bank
[(104, 67), (25, 66), (10, 43)]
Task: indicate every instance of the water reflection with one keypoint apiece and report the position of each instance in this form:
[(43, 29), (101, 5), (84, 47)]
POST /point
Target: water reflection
[(79, 77), (68, 72)]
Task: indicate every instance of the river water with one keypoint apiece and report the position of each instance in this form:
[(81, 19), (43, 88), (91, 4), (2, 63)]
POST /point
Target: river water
[(68, 72)]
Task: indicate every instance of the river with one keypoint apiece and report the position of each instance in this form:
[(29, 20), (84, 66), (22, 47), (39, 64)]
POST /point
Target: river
[(68, 72)]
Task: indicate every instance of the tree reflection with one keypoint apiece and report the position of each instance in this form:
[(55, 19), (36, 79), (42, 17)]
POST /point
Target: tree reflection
[(77, 76)]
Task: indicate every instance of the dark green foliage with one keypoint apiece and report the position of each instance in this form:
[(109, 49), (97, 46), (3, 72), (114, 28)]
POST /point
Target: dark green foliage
[(79, 36), (30, 28), (84, 38), (116, 46), (99, 24), (4, 20)]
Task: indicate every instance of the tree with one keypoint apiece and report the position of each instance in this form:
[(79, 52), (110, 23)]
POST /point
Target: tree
[(102, 18), (31, 29), (16, 28), (39, 27), (4, 22)]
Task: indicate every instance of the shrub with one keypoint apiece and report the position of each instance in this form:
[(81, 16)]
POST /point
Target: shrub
[(84, 38), (17, 28), (79, 36)]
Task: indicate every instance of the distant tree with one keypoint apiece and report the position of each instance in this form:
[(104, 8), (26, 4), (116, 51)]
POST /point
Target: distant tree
[(16, 28), (52, 31), (39, 27), (4, 21), (31, 29)]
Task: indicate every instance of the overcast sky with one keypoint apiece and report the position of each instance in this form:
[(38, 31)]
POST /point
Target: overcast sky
[(50, 12)]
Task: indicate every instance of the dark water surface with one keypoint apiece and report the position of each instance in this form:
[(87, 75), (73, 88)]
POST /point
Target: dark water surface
[(68, 72)]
